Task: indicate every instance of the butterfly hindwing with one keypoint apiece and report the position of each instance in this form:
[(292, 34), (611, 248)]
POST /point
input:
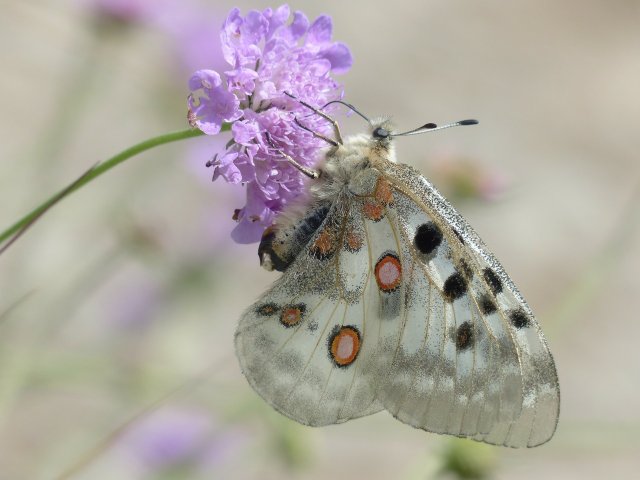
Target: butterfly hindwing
[(310, 368)]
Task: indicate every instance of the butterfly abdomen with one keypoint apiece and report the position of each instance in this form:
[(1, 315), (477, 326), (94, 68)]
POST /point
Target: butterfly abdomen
[(281, 244)]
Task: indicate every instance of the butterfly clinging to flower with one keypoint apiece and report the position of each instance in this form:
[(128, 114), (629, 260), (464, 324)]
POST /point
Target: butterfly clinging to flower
[(388, 300)]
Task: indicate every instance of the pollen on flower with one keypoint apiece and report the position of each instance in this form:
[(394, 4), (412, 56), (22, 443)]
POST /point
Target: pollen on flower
[(270, 52)]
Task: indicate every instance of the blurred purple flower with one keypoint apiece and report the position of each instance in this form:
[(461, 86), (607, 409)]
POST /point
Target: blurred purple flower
[(195, 37), (220, 449), (168, 437), (191, 28), (269, 56), (122, 11), (174, 437)]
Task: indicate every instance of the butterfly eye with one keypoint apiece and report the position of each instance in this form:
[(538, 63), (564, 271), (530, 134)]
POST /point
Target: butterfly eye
[(380, 133)]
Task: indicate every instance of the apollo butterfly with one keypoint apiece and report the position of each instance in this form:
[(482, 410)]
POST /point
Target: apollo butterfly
[(388, 300)]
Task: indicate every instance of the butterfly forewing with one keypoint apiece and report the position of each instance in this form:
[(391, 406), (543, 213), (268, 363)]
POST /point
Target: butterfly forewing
[(440, 373), (504, 380)]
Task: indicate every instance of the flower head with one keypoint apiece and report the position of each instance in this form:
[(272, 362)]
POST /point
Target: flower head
[(122, 11), (270, 56)]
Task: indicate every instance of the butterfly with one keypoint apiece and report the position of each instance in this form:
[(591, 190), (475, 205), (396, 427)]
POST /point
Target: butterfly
[(389, 300)]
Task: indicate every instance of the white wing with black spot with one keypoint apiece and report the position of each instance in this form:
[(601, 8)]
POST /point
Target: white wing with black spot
[(470, 358)]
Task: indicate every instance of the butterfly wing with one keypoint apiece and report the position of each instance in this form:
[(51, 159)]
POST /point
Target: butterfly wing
[(470, 359), (304, 344)]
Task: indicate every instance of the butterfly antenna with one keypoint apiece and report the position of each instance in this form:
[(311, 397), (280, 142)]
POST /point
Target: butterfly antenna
[(333, 122), (349, 106), (432, 127)]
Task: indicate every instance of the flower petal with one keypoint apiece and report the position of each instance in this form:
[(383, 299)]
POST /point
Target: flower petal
[(299, 26), (320, 30), (340, 57), (278, 19), (206, 79), (248, 232)]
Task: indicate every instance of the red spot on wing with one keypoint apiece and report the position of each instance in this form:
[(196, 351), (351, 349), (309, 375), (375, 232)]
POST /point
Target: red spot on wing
[(324, 245), (344, 345), (373, 210), (353, 241), (383, 192), (292, 315), (388, 272)]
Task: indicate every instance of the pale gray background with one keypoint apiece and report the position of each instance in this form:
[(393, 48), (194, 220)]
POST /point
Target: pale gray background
[(555, 86)]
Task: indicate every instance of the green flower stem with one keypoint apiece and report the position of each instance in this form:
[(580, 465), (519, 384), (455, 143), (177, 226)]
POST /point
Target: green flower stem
[(99, 169)]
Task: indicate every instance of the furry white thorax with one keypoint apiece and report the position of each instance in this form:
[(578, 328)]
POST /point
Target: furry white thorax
[(339, 167), (344, 162)]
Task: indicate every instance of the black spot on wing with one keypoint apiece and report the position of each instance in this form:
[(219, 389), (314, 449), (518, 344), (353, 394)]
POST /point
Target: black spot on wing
[(486, 304), (428, 237), (454, 287), (464, 336), (492, 280), (519, 318)]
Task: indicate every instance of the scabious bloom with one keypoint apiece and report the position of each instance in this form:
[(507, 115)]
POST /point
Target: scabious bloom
[(269, 55)]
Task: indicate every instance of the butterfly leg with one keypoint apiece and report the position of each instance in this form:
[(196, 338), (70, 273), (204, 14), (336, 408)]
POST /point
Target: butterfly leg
[(304, 170), (316, 134), (336, 129), (210, 163)]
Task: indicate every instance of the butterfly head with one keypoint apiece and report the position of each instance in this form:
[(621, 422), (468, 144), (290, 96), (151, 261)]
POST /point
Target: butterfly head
[(381, 135), (382, 130)]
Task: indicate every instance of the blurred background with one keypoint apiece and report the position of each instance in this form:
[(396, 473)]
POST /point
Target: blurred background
[(117, 309)]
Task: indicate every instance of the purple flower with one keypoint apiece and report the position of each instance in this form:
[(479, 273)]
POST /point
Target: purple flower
[(269, 55), (192, 30), (218, 106), (177, 436), (168, 437), (122, 11), (193, 35)]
